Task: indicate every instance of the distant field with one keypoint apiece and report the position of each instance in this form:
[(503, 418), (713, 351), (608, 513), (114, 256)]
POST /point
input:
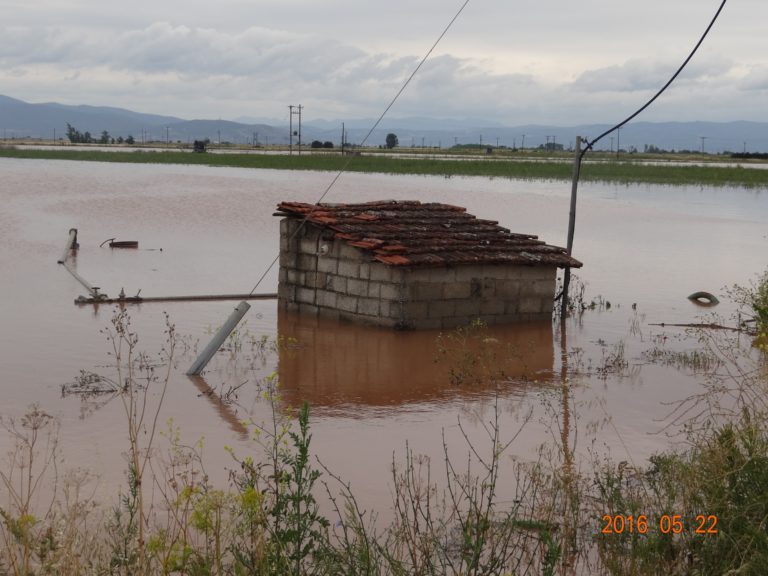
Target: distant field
[(521, 166)]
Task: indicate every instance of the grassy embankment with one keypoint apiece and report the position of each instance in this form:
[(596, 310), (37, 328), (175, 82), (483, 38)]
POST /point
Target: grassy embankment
[(523, 165)]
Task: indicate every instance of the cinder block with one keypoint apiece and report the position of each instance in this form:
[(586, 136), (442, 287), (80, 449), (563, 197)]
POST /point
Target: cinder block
[(492, 307), (508, 289), (327, 264), (305, 295), (285, 292), (308, 245), (337, 284), (347, 252), (441, 309), (365, 271), (391, 291), (349, 268), (288, 260), (282, 276), (382, 273), (316, 280), (346, 303), (308, 309), (424, 291), (368, 306), (357, 287), (326, 298), (467, 308), (295, 276), (374, 290), (530, 305), (467, 273), (307, 262), (441, 275), (415, 310), (457, 290), (512, 306)]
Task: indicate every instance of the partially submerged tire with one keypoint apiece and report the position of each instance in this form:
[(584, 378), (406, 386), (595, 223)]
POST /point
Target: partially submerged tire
[(704, 299)]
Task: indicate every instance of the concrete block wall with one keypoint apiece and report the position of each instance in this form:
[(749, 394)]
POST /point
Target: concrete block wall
[(322, 276), (326, 277)]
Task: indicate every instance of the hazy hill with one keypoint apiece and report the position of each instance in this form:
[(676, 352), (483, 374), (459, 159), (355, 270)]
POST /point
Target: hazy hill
[(20, 119)]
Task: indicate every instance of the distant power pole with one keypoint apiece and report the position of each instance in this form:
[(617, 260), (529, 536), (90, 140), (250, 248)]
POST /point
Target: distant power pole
[(703, 138), (295, 110)]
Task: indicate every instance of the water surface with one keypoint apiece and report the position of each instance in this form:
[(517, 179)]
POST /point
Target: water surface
[(206, 230)]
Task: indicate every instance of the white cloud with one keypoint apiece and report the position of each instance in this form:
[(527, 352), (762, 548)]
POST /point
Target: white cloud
[(512, 62)]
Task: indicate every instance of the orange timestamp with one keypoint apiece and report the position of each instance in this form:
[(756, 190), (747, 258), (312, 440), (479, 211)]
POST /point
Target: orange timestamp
[(666, 524)]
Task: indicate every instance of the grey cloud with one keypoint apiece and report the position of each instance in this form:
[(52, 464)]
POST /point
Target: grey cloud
[(644, 75)]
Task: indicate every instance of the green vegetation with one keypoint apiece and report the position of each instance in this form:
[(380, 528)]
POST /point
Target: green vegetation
[(522, 165), (700, 509)]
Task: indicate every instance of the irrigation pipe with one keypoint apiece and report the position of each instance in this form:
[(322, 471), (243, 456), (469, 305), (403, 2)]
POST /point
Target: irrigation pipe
[(580, 153)]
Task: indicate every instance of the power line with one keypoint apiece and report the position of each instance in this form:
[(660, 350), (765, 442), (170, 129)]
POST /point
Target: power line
[(370, 132)]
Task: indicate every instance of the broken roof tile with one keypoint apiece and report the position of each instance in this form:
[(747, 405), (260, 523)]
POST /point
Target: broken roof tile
[(411, 233)]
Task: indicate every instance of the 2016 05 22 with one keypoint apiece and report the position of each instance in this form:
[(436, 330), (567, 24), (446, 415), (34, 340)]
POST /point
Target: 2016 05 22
[(705, 524)]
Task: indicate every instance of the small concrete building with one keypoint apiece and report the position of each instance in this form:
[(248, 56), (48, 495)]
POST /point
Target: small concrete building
[(412, 265)]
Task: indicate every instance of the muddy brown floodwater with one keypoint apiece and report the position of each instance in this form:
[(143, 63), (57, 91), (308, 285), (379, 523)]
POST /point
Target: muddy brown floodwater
[(204, 230)]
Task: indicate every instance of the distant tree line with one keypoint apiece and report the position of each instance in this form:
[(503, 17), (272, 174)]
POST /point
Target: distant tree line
[(76, 137)]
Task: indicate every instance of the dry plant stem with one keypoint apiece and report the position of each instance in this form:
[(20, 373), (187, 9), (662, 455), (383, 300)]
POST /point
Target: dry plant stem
[(135, 397), (22, 479)]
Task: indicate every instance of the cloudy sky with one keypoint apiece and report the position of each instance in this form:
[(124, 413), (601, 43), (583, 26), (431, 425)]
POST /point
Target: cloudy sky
[(506, 61)]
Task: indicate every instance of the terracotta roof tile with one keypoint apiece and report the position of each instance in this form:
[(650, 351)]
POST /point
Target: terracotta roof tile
[(411, 233)]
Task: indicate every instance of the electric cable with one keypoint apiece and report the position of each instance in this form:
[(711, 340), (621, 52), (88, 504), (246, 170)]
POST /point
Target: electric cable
[(367, 136), (663, 89)]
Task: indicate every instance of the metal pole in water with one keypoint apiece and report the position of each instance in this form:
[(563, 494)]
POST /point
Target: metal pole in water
[(71, 244), (205, 356)]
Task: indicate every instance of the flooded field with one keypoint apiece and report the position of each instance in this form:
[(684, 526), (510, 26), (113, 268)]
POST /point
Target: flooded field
[(210, 231)]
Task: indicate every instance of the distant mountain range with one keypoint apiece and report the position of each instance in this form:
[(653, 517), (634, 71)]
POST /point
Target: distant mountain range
[(21, 120)]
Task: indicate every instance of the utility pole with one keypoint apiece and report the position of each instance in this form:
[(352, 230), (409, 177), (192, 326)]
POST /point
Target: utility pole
[(703, 138), (295, 110), (522, 146)]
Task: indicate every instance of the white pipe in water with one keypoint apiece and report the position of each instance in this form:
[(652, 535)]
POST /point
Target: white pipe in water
[(205, 356)]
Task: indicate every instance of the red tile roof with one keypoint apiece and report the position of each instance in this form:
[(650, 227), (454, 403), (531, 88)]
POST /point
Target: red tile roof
[(409, 233)]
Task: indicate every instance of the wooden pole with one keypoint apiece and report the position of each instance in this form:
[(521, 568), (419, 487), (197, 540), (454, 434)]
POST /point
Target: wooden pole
[(571, 226)]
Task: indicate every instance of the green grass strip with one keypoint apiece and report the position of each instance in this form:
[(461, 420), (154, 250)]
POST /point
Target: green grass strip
[(624, 172)]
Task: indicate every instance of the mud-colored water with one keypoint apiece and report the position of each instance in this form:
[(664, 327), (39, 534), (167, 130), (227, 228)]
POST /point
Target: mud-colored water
[(209, 230)]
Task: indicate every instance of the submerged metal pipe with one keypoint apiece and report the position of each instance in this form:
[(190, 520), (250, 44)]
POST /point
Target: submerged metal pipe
[(213, 346), (201, 298), (71, 245)]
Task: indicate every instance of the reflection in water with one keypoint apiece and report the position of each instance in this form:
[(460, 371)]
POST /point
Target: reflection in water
[(337, 364), (224, 410)]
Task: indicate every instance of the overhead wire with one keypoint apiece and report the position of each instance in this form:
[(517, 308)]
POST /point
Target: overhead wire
[(663, 89), (581, 152), (370, 132)]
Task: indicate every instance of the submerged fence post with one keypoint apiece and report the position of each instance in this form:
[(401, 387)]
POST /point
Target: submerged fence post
[(205, 356), (71, 245)]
